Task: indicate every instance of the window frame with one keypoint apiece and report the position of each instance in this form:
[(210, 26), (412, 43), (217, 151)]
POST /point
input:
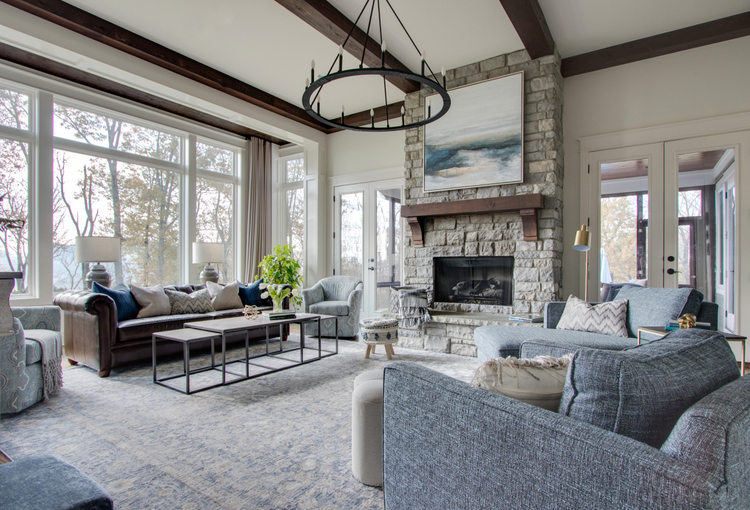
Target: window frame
[(281, 221)]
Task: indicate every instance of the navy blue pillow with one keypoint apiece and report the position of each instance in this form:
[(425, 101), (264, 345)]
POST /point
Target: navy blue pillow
[(250, 294), (125, 304)]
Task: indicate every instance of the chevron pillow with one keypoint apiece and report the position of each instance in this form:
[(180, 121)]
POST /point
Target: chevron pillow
[(196, 302), (605, 318)]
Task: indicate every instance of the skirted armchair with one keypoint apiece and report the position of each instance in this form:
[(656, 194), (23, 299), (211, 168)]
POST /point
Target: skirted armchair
[(22, 356), (335, 295)]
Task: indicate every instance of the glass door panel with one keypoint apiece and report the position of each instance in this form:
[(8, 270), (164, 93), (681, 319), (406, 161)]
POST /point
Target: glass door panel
[(352, 236), (387, 244)]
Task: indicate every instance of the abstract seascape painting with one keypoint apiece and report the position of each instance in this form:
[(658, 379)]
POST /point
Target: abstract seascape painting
[(479, 142)]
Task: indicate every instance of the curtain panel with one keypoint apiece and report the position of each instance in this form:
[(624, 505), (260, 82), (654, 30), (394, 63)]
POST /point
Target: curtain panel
[(258, 211)]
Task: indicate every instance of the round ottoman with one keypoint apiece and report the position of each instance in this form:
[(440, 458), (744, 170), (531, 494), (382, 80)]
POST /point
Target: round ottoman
[(379, 332), (367, 428)]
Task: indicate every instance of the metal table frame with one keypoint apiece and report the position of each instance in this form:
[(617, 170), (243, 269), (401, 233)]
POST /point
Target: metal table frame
[(235, 325), (185, 337)]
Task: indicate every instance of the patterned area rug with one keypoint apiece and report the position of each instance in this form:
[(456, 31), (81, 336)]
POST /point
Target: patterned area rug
[(281, 441)]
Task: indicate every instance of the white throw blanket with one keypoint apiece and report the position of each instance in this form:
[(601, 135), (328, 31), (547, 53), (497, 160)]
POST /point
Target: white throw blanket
[(51, 363)]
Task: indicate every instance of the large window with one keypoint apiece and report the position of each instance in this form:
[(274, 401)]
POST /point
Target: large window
[(112, 175), (293, 213)]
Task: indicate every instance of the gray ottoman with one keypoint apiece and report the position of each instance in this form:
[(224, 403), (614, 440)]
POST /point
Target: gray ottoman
[(367, 428), (46, 482)]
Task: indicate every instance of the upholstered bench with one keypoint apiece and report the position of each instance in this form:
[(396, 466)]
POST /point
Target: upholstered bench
[(367, 428), (44, 481), (383, 331)]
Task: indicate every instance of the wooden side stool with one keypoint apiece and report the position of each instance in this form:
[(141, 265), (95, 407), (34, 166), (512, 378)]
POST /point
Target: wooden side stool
[(379, 332)]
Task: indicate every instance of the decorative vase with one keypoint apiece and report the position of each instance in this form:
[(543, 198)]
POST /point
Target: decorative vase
[(277, 304)]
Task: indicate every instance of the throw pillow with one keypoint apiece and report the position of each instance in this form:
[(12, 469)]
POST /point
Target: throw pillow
[(605, 318), (538, 381), (153, 300), (197, 302), (642, 391), (224, 297), (124, 303), (250, 294)]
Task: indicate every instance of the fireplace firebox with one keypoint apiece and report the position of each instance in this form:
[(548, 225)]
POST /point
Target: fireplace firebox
[(475, 280)]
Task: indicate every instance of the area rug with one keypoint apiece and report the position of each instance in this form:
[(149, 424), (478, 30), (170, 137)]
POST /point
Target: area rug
[(281, 441)]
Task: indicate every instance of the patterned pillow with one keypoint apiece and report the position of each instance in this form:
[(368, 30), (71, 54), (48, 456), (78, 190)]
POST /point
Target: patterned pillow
[(605, 318), (197, 302)]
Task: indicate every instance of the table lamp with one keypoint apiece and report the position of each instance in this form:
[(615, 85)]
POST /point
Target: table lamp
[(583, 243), (97, 250), (207, 253)]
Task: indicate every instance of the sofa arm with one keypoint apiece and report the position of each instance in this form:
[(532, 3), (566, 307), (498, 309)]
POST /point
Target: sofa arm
[(448, 445), (709, 312), (89, 328), (38, 317), (311, 296), (354, 302), (552, 313)]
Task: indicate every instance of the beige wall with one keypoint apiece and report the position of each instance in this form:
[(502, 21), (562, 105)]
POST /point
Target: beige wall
[(352, 152), (690, 85)]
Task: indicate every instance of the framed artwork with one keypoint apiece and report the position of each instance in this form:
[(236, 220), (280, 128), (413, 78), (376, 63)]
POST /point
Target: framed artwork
[(479, 142)]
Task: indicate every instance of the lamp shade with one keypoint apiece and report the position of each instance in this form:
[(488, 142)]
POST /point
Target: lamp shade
[(583, 240), (206, 253), (97, 249)]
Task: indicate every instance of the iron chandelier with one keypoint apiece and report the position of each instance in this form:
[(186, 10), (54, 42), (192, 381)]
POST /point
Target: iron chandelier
[(313, 87)]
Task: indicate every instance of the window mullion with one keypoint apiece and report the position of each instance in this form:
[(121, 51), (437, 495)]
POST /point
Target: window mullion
[(41, 236)]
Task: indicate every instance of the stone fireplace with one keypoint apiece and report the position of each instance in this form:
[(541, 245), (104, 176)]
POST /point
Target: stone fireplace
[(535, 274)]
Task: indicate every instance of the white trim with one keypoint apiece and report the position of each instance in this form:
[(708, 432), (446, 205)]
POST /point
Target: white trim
[(667, 132), (88, 149), (396, 172)]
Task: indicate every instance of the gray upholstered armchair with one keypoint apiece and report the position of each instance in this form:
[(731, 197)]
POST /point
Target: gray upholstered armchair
[(335, 295), (21, 372)]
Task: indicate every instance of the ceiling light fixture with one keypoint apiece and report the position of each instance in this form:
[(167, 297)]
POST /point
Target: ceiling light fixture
[(314, 86)]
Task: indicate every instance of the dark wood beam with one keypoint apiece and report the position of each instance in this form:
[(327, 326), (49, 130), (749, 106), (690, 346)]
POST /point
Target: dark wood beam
[(330, 22), (100, 30), (531, 26), (51, 67), (363, 118), (719, 30)]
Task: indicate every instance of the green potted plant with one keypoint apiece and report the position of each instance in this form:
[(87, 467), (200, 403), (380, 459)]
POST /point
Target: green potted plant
[(281, 274)]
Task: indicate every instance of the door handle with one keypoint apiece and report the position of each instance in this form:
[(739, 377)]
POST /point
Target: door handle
[(371, 268), (672, 271)]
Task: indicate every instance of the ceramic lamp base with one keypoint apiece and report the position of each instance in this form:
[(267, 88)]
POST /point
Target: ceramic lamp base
[(98, 274), (209, 274)]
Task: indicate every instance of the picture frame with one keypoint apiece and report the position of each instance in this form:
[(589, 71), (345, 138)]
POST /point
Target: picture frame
[(479, 142)]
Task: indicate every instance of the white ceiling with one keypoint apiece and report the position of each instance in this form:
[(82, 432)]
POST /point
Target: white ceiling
[(263, 44)]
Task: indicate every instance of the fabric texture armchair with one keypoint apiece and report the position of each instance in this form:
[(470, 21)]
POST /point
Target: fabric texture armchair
[(21, 371), (336, 295)]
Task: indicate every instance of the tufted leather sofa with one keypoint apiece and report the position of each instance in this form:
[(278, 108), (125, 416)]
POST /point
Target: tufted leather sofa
[(93, 337)]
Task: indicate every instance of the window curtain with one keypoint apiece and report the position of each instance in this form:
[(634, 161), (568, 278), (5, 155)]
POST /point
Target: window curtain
[(258, 211)]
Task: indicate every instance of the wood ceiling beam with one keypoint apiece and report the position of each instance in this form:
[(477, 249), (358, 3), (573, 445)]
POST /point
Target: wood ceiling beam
[(100, 30), (51, 67), (363, 118), (333, 24), (719, 30), (531, 26)]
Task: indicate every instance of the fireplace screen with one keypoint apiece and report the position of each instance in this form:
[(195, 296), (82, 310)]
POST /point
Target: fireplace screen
[(477, 280)]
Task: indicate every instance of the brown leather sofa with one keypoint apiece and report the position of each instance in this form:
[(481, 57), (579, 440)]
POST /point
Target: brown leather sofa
[(93, 337)]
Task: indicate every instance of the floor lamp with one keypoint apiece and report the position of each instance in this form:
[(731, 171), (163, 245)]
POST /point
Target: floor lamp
[(583, 243)]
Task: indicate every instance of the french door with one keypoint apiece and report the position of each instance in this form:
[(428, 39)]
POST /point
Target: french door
[(368, 237), (664, 215)]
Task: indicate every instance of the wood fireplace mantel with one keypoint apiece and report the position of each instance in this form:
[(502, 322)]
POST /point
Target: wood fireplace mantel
[(527, 205)]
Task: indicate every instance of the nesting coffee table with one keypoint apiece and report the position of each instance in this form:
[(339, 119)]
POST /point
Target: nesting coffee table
[(264, 363)]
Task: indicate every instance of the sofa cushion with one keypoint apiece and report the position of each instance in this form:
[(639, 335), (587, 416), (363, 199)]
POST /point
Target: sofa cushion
[(196, 302), (502, 341), (250, 294), (655, 306), (330, 308), (642, 391), (224, 297), (605, 318), (538, 381), (139, 329), (125, 304), (153, 301)]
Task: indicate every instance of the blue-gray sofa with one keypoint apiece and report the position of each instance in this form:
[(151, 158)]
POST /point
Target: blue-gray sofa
[(664, 425), (646, 307)]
